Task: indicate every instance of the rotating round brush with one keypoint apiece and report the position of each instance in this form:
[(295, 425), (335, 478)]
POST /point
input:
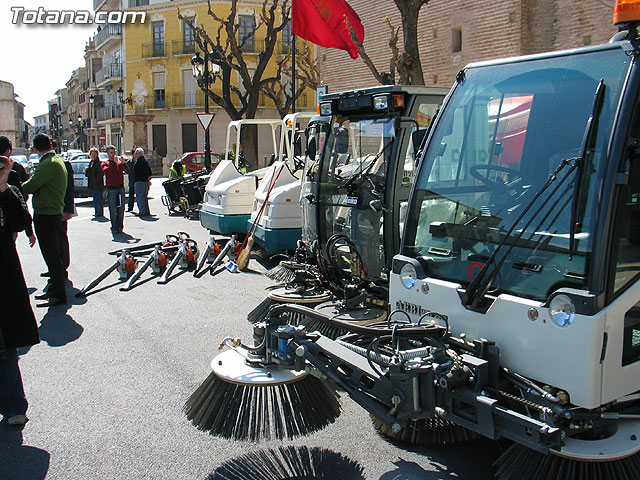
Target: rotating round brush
[(287, 463), (244, 401), (427, 432), (521, 462)]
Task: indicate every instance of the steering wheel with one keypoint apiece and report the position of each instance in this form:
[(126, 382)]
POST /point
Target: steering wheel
[(497, 186)]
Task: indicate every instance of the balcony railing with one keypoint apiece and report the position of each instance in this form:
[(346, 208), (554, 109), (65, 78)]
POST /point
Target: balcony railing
[(158, 102), (108, 31), (187, 100), (108, 112), (111, 70), (252, 45), (154, 50), (181, 47), (282, 48)]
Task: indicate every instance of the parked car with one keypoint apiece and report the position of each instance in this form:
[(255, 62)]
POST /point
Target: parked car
[(34, 160), (80, 180), (22, 160), (194, 161)]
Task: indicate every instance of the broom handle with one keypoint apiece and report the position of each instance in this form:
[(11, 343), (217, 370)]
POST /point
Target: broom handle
[(264, 204)]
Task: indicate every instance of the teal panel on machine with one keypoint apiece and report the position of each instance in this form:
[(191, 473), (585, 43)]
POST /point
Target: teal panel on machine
[(224, 224), (274, 240)]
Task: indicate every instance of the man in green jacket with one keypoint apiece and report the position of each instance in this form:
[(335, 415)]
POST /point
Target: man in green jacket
[(48, 185)]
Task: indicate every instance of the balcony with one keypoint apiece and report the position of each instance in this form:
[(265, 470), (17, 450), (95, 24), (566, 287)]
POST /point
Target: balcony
[(150, 50), (283, 48), (110, 32), (252, 45), (109, 112), (158, 100), (187, 100), (184, 48), (110, 73)]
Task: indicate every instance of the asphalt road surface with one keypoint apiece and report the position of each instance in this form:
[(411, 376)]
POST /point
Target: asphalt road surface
[(107, 383)]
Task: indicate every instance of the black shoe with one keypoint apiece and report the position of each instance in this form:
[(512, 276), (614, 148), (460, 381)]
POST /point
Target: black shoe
[(52, 302), (45, 274), (44, 296)]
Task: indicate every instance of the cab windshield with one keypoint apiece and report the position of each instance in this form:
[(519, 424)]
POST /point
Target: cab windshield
[(354, 176), (506, 128)]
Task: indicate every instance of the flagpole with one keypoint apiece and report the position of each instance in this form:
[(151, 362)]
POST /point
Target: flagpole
[(293, 65)]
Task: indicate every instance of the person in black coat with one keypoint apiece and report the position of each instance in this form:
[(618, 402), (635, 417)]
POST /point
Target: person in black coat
[(141, 174), (18, 327)]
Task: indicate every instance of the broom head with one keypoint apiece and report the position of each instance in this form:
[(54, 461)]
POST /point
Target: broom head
[(244, 401), (243, 256)]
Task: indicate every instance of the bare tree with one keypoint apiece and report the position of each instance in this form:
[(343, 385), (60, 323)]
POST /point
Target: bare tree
[(406, 61), (241, 99)]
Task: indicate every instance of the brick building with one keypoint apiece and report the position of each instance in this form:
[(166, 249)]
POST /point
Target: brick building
[(12, 124), (453, 33)]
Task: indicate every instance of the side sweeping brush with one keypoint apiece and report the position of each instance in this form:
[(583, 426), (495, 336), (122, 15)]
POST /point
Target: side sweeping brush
[(244, 401), (289, 463), (426, 432), (519, 462)]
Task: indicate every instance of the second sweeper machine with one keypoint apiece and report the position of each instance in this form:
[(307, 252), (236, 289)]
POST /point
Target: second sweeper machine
[(515, 300)]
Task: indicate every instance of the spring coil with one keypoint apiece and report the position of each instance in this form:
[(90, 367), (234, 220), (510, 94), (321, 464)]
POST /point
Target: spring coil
[(383, 359)]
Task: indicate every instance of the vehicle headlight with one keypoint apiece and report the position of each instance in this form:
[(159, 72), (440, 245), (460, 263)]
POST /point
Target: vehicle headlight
[(562, 310), (408, 276)]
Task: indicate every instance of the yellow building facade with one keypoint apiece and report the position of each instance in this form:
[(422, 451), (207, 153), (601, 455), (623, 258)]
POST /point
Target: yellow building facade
[(159, 85)]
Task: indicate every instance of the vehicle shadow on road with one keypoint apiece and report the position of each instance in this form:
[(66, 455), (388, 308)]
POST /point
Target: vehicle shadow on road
[(19, 461), (448, 462)]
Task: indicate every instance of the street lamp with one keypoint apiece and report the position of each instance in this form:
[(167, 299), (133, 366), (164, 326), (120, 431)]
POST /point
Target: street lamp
[(91, 125), (204, 71), (121, 101)]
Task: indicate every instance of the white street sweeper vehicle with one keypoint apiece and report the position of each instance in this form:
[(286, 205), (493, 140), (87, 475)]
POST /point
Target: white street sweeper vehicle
[(276, 208), (360, 164), (515, 300), (229, 193)]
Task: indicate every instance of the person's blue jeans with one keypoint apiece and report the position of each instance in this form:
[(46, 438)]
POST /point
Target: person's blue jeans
[(98, 203), (115, 200), (12, 398), (142, 199)]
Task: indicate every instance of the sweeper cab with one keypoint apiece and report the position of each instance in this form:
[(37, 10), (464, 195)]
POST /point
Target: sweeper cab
[(359, 167)]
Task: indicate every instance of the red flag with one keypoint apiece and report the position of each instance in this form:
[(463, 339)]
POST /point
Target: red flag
[(323, 22)]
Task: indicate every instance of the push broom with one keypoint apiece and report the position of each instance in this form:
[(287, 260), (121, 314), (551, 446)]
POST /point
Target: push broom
[(289, 463), (243, 256)]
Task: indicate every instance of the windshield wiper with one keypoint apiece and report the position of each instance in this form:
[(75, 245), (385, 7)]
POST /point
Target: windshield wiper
[(362, 171), (481, 283), (587, 145)]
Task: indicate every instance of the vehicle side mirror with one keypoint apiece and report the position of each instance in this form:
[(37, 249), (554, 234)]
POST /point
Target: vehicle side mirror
[(311, 147)]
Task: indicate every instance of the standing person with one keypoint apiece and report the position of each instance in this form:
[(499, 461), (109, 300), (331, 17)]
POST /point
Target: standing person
[(132, 191), (142, 177), (48, 185), (114, 170), (95, 178), (18, 327), (17, 175)]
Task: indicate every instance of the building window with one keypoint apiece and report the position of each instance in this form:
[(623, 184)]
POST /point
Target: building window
[(435, 79), (158, 39), (456, 40), (159, 80), (138, 3), (586, 40), (287, 39), (247, 25), (188, 37)]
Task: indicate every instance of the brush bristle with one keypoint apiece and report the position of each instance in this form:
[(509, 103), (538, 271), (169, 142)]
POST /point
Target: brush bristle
[(288, 463), (427, 432), (521, 462), (280, 273), (254, 412), (260, 311)]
